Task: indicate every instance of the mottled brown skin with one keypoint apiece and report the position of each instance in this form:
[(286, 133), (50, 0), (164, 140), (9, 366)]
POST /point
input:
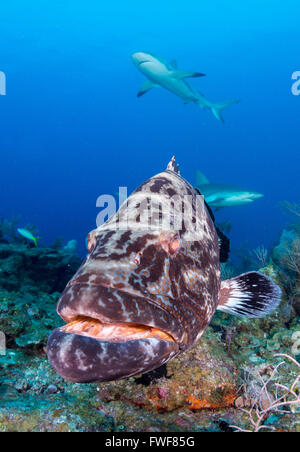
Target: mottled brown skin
[(163, 278)]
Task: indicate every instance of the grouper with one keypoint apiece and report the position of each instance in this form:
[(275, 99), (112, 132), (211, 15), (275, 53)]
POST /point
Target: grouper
[(149, 286)]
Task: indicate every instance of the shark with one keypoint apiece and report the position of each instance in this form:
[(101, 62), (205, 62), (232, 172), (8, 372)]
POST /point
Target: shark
[(166, 75), (222, 195)]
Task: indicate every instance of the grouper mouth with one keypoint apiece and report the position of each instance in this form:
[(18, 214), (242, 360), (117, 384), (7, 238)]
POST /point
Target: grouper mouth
[(113, 332), (103, 346)]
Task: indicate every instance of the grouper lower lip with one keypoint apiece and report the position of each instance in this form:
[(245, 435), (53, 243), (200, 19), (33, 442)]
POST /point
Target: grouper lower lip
[(87, 350), (110, 334)]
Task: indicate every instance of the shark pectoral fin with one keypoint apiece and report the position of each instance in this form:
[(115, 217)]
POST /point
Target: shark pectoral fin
[(146, 87), (187, 74)]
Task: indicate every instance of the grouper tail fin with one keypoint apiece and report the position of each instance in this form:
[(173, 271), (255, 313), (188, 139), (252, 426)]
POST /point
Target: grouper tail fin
[(218, 107), (249, 295)]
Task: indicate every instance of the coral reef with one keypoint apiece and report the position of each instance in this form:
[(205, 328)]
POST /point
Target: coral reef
[(286, 257), (226, 382), (265, 394), (260, 254), (31, 280), (43, 268)]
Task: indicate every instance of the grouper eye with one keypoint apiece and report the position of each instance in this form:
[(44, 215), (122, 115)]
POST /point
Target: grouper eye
[(170, 242), (91, 241), (137, 258)]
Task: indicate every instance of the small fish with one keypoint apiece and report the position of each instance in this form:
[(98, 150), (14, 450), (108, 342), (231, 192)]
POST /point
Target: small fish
[(166, 75), (222, 195), (28, 235), (146, 294)]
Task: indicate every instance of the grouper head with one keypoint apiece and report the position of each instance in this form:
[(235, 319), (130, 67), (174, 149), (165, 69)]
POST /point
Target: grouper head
[(144, 294)]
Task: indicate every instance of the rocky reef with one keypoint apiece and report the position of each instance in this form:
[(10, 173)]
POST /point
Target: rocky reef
[(231, 380)]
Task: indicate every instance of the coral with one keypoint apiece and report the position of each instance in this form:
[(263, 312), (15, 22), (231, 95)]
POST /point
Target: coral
[(287, 240), (251, 259), (8, 229), (247, 261), (269, 395), (197, 404), (227, 271), (291, 259), (42, 268), (70, 247), (35, 398), (211, 378), (26, 323), (291, 207), (260, 254), (203, 389), (286, 256), (58, 244), (30, 282)]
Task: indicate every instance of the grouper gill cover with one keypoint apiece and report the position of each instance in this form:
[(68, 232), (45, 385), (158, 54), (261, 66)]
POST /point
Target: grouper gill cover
[(149, 286)]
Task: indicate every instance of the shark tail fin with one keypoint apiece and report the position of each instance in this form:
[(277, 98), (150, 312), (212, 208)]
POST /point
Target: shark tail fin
[(251, 295), (218, 107)]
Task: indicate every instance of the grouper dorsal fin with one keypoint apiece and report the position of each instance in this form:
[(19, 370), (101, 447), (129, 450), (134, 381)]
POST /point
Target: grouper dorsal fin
[(172, 166), (201, 179), (146, 86)]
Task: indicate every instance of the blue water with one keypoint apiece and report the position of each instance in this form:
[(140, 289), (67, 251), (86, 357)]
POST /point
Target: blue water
[(72, 127)]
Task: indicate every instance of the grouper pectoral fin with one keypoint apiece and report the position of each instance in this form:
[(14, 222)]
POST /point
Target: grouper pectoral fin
[(146, 87), (187, 74), (251, 295)]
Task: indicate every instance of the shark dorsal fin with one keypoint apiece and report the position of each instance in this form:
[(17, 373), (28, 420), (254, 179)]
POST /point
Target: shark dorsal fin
[(173, 64), (201, 179)]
